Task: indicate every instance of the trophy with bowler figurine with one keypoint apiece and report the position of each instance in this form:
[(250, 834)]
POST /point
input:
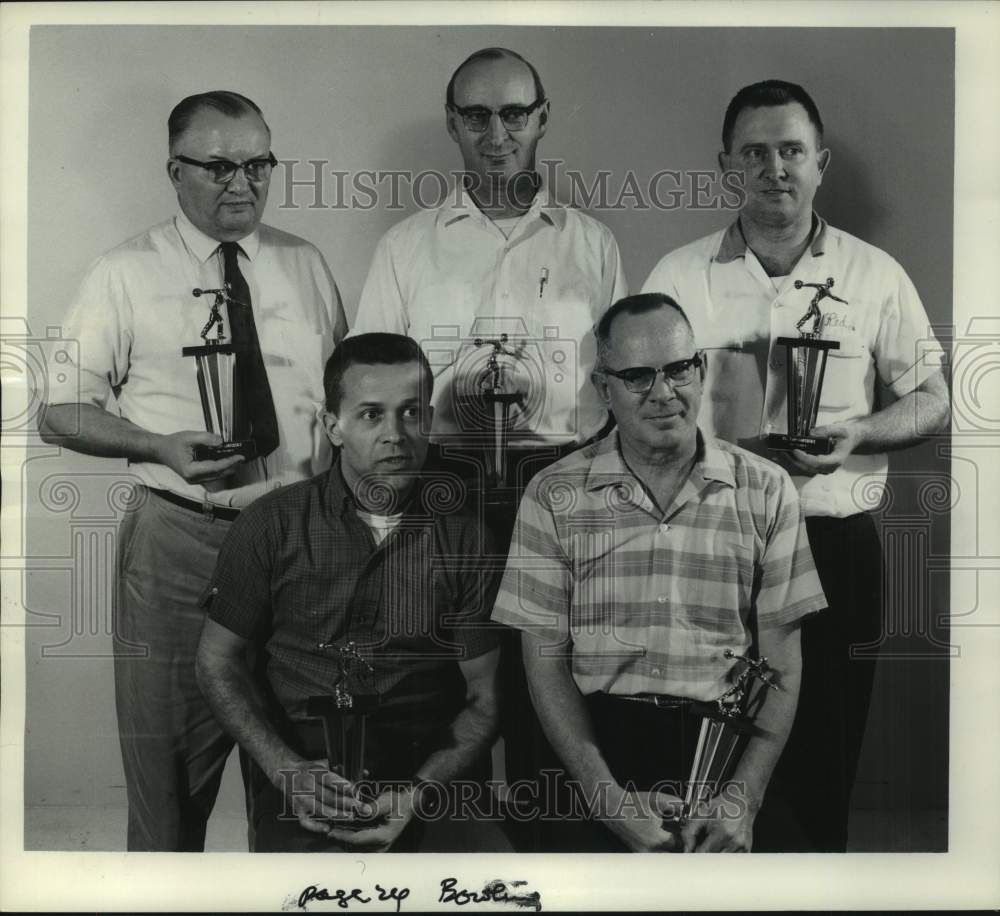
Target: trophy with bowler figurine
[(220, 396), (805, 367), (727, 724), (498, 399), (345, 713)]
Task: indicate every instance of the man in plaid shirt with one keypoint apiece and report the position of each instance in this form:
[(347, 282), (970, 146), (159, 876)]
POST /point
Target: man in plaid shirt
[(369, 559), (635, 564)]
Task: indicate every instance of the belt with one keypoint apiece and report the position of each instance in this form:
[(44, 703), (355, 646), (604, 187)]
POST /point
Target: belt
[(654, 699), (209, 510)]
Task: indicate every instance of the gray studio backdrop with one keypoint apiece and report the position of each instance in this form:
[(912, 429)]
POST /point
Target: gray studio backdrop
[(371, 98)]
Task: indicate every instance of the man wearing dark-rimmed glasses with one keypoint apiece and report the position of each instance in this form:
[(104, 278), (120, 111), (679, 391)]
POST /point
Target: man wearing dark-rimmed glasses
[(499, 256), (133, 315), (636, 562), (501, 285)]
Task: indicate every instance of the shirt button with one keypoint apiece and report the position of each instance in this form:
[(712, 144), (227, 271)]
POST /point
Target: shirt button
[(215, 591), (662, 599), (655, 672), (664, 528)]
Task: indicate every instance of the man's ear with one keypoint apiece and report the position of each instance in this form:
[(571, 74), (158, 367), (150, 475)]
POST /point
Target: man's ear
[(451, 123), (823, 161), (703, 368), (332, 428), (600, 382), (174, 172), (543, 118)]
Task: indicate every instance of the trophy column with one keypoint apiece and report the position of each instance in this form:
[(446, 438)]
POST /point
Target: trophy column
[(345, 714), (216, 370), (805, 368)]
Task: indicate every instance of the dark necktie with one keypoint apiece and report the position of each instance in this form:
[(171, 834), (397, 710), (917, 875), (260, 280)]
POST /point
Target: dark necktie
[(255, 417)]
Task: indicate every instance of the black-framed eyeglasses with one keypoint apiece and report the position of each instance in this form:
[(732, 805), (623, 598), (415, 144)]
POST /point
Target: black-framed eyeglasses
[(513, 117), (640, 379), (222, 171)]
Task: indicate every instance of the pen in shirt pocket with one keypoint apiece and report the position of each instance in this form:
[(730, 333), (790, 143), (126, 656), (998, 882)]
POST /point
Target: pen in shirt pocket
[(543, 278)]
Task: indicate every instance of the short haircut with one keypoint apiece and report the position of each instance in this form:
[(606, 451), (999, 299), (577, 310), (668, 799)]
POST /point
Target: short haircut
[(769, 94), (493, 54), (231, 104), (378, 349), (632, 305)]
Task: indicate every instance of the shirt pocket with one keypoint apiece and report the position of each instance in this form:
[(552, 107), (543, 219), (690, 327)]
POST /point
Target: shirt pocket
[(292, 346), (844, 382), (717, 585)]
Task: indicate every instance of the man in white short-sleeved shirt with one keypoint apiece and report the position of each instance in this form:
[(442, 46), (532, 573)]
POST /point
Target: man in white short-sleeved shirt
[(743, 288), (499, 256), (133, 315)]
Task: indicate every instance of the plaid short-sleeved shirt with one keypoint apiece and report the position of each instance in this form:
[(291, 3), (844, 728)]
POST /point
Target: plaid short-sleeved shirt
[(299, 568), (652, 600)]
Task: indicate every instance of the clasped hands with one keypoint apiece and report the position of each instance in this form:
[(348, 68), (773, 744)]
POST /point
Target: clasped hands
[(324, 801), (655, 822)]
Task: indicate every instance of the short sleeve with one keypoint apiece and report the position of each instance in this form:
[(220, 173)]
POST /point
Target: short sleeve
[(536, 590), (661, 280), (334, 306), (381, 307), (907, 352), (478, 581), (99, 326), (614, 272), (239, 597), (789, 585)]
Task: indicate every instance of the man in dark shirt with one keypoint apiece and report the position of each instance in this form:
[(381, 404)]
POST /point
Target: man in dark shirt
[(366, 562)]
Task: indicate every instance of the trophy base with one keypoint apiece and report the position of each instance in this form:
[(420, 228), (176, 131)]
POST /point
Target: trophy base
[(247, 448), (811, 445)]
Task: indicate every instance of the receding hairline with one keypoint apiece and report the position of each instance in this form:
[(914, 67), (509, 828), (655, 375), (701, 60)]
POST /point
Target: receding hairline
[(489, 56), (635, 307), (483, 63), (397, 369), (747, 109), (191, 125), (770, 93), (676, 317)]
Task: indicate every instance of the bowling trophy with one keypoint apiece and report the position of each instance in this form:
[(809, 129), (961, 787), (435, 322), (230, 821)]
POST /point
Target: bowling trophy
[(726, 726), (220, 397), (805, 366), (498, 401), (345, 713)]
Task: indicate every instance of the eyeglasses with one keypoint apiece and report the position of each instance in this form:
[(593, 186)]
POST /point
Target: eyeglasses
[(513, 117), (640, 379), (222, 171)]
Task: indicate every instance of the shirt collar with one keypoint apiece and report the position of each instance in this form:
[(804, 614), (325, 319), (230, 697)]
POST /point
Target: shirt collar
[(734, 245), (204, 246), (462, 206), (341, 501), (608, 467), (338, 498)]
